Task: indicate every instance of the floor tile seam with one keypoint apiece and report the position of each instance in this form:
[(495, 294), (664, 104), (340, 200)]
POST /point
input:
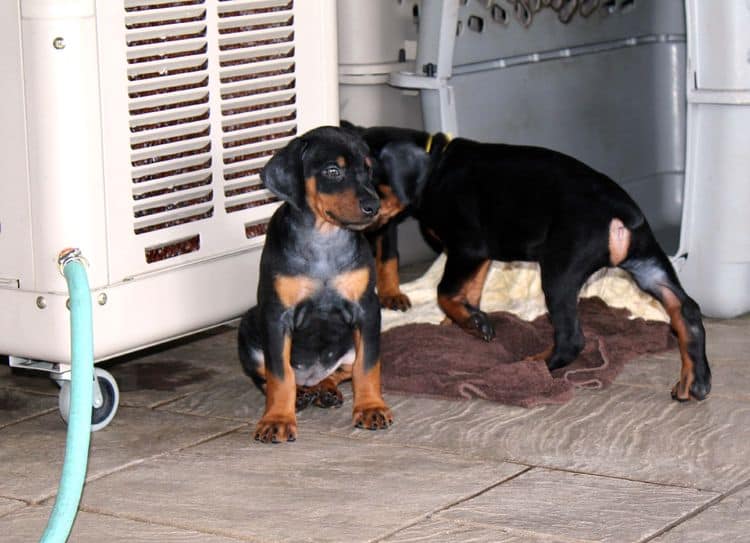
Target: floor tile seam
[(151, 522), (436, 511), (525, 462), (22, 504), (133, 463), (553, 538), (27, 390), (425, 448), (712, 395), (698, 510), (620, 477), (29, 417)]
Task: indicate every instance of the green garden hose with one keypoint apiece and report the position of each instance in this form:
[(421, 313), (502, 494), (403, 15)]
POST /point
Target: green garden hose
[(73, 475)]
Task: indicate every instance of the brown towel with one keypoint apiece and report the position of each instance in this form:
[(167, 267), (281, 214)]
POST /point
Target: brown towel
[(445, 361)]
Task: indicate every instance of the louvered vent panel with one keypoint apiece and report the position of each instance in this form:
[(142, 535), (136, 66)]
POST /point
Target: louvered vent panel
[(169, 110), (258, 96)]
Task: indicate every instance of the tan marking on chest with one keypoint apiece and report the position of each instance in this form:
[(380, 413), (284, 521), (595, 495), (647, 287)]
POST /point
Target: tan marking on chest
[(294, 289), (352, 284)]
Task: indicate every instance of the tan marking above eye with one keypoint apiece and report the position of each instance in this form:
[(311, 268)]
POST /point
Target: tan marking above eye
[(352, 284), (294, 289), (341, 161)]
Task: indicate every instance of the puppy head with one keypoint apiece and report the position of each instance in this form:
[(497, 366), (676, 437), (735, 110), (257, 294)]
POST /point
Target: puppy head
[(328, 172), (401, 171)]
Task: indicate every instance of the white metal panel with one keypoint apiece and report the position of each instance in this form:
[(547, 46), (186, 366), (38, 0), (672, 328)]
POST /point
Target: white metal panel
[(16, 267), (64, 144)]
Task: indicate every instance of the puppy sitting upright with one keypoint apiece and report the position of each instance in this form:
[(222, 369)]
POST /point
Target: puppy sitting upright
[(317, 321), (483, 202)]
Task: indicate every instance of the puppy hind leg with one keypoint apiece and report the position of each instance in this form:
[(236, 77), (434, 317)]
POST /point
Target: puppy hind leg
[(561, 297), (655, 275)]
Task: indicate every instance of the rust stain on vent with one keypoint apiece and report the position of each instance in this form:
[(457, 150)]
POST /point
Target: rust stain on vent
[(163, 39), (257, 75), (173, 249), (253, 11), (175, 88), (173, 206), (261, 26), (248, 205), (174, 105), (255, 43), (164, 73), (242, 173), (257, 139), (175, 222), (260, 122), (260, 58), (255, 107), (173, 188), (173, 139), (243, 190), (164, 22), (165, 56), (202, 117), (169, 173), (261, 90), (161, 158), (256, 229), (163, 5)]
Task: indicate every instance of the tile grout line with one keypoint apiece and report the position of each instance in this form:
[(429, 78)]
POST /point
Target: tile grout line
[(697, 511), (712, 395), (521, 462), (128, 465), (29, 417), (136, 518), (430, 514)]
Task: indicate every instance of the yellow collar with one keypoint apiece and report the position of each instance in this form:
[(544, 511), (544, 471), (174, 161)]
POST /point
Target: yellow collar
[(428, 145)]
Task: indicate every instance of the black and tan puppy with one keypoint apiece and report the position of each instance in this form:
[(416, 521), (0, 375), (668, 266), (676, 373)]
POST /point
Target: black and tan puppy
[(394, 208), (483, 202), (317, 321)]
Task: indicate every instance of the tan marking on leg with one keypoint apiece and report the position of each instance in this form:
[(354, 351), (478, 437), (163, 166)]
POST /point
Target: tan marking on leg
[(619, 242), (352, 284), (387, 281), (681, 390), (293, 289), (470, 292), (279, 422), (476, 284), (544, 356), (370, 410)]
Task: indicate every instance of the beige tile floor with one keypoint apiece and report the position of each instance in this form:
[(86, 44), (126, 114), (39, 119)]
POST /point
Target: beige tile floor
[(178, 463)]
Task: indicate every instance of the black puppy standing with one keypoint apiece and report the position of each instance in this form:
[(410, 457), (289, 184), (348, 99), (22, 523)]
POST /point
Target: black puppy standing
[(481, 202), (317, 321)]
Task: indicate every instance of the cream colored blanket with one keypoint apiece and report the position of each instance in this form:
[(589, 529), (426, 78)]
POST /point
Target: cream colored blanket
[(516, 288)]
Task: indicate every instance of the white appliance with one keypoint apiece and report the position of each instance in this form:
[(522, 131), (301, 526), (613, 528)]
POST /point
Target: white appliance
[(134, 130)]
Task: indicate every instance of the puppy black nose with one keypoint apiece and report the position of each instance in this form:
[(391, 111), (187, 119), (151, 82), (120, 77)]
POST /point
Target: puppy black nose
[(369, 207)]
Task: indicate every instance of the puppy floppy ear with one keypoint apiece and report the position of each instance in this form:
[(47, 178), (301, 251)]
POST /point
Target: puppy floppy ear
[(406, 166), (283, 174)]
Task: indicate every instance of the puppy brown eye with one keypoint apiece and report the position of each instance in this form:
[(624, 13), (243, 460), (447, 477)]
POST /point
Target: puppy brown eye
[(332, 172)]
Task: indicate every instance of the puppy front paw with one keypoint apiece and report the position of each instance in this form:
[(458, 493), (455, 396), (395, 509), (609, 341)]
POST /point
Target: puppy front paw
[(397, 302), (373, 417), (276, 429)]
